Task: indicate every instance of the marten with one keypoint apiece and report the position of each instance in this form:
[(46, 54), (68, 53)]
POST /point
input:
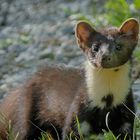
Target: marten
[(99, 95)]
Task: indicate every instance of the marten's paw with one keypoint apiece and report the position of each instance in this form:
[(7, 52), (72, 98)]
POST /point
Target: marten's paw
[(126, 131)]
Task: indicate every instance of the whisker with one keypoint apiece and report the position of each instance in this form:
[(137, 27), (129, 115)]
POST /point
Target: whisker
[(58, 138), (132, 112)]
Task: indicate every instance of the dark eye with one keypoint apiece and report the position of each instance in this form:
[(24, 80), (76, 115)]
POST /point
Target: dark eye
[(95, 47), (118, 48)]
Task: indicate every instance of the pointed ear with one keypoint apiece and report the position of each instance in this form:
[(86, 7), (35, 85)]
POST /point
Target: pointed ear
[(131, 28), (84, 33)]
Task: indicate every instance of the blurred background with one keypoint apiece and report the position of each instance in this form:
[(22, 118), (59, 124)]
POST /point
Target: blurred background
[(37, 32)]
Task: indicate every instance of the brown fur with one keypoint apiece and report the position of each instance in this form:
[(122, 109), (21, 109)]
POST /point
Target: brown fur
[(55, 90)]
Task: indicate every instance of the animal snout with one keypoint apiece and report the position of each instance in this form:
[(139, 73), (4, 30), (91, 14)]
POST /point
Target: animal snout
[(106, 58)]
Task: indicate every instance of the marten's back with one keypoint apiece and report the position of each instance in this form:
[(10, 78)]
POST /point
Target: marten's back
[(46, 98)]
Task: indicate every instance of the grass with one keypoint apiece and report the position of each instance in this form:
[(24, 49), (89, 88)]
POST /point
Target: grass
[(107, 135)]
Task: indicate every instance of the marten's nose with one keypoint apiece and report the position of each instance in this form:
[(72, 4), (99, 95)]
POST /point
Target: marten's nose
[(106, 58)]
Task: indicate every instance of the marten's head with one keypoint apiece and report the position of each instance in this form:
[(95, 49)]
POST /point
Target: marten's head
[(110, 47)]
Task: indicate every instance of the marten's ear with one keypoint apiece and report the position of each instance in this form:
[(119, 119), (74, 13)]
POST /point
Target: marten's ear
[(84, 33), (130, 28)]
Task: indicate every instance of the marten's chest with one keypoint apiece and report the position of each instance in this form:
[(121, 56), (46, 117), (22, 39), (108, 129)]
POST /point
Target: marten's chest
[(96, 120), (108, 87)]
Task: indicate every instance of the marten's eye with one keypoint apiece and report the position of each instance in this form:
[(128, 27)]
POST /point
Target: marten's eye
[(118, 48), (95, 47)]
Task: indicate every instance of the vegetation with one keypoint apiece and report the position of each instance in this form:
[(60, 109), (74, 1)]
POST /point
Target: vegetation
[(46, 136)]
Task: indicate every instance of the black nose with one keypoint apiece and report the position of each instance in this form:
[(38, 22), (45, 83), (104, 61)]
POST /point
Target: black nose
[(106, 58)]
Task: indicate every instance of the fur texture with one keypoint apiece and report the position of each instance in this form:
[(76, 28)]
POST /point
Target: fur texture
[(101, 82)]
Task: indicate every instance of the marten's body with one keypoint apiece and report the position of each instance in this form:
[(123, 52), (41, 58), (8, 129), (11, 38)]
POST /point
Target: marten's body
[(52, 99), (32, 109), (40, 104)]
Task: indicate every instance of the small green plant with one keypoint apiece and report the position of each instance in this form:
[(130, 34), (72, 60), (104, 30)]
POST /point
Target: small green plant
[(45, 136), (11, 136), (114, 13), (137, 4), (137, 55), (8, 127)]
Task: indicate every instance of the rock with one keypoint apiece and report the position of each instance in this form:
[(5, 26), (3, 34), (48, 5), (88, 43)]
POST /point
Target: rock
[(47, 53)]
